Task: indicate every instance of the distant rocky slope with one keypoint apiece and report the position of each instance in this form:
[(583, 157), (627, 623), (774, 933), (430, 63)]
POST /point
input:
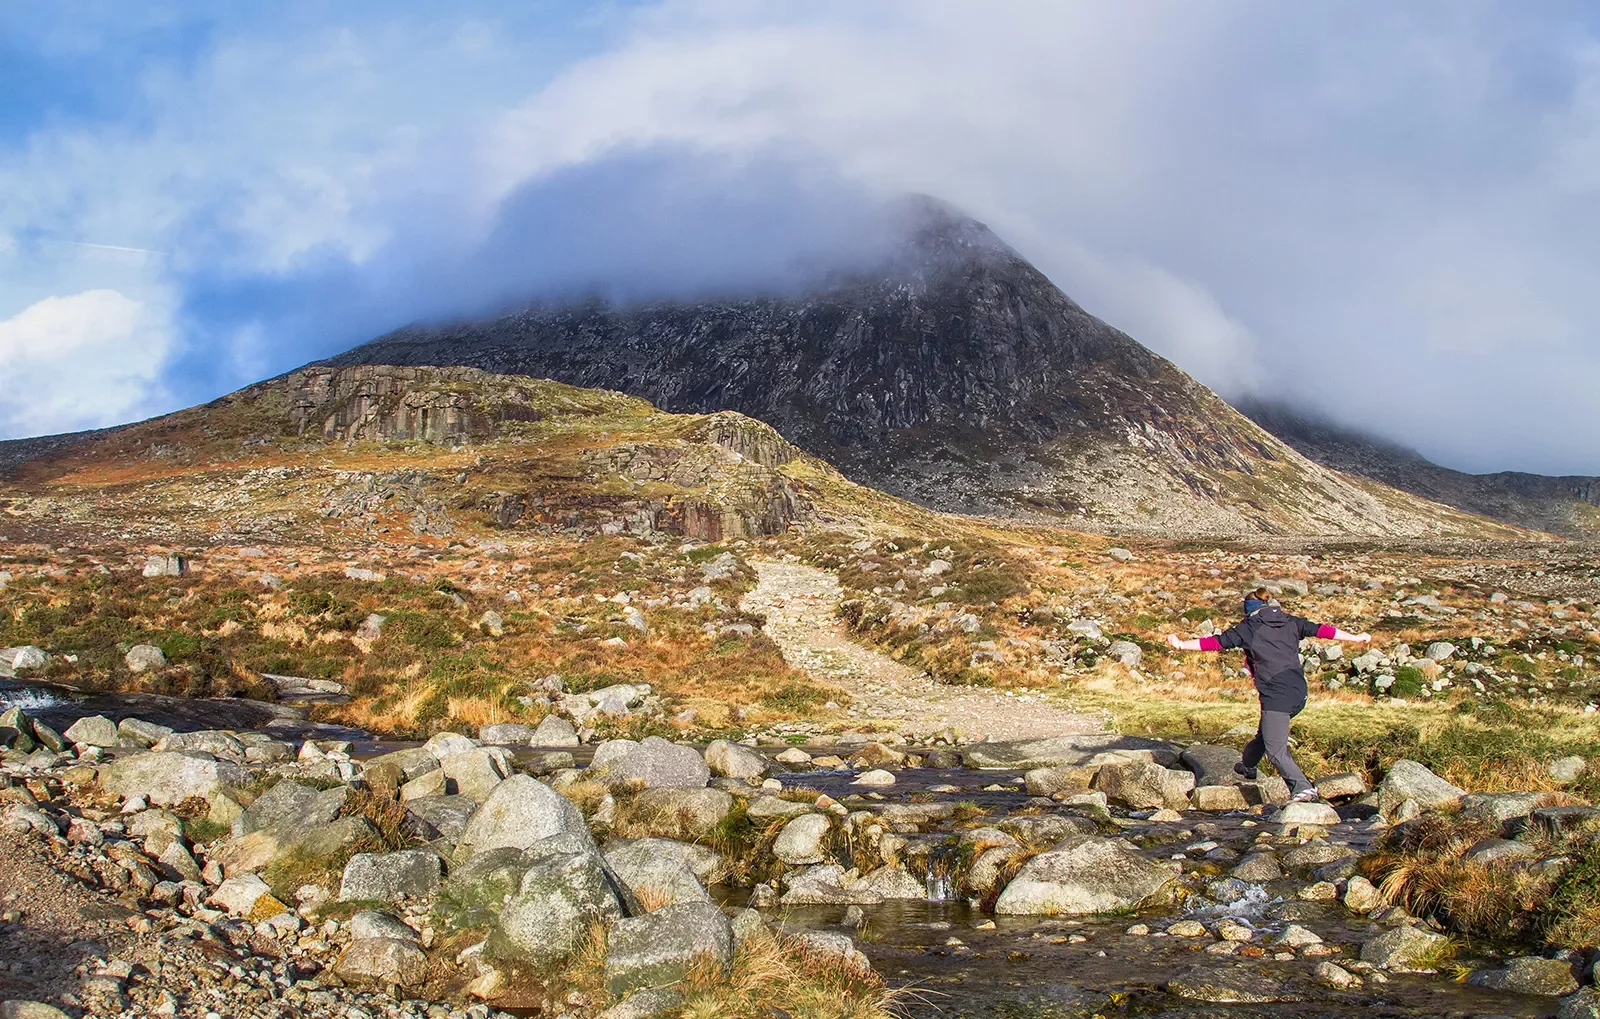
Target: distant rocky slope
[(959, 377), (1569, 506)]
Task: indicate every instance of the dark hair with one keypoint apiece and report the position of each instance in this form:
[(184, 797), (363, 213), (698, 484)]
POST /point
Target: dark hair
[(1261, 594)]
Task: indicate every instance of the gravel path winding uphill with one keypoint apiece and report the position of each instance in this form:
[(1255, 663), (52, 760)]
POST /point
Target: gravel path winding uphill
[(800, 604)]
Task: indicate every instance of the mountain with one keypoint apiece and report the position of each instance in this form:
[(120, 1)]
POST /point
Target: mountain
[(1568, 506), (958, 376)]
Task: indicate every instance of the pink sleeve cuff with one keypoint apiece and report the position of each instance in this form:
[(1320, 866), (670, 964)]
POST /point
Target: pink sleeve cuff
[(1326, 632), (1210, 644)]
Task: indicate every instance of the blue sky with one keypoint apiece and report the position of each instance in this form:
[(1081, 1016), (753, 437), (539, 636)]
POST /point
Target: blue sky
[(1384, 214)]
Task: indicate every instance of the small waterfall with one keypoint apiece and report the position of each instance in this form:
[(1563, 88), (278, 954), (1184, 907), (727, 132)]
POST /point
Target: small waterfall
[(941, 862), (27, 698)]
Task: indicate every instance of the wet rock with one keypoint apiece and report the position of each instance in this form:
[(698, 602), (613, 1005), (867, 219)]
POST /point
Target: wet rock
[(1062, 751), (1401, 948), (794, 757), (892, 881), (653, 763), (1331, 975), (1490, 850), (1258, 867), (1528, 975), (682, 813), (1361, 895), (803, 840), (1212, 765), (877, 777), (1218, 798), (519, 812), (1583, 1005), (555, 731), (167, 778), (1408, 780), (1343, 786), (1315, 854), (144, 658), (383, 961), (1296, 936), (559, 896), (94, 731), (507, 734), (1086, 874), (1307, 812), (729, 760), (658, 948), (1142, 785), (1187, 929), (1227, 987), (390, 877)]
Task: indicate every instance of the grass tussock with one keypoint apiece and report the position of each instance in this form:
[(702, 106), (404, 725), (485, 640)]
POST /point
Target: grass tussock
[(772, 975), (1421, 866)]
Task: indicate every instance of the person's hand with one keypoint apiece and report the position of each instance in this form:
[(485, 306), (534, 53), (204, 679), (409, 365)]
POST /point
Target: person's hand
[(1175, 641), (1363, 638)]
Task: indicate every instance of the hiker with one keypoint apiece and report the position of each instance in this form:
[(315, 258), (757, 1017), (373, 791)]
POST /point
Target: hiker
[(1271, 639)]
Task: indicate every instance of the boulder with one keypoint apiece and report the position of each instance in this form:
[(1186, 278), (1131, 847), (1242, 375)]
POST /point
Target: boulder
[(648, 1003), (1361, 895), (1583, 1005), (658, 948), (440, 817), (18, 659), (1342, 786), (559, 897), (1267, 791), (876, 777), (167, 778), (15, 1009), (1258, 867), (1567, 770), (508, 734), (653, 879), (803, 840), (554, 731), (1217, 798), (383, 961), (1058, 781), (1312, 812), (431, 784), (653, 763), (893, 881), (1528, 975), (1086, 874), (519, 812), (769, 808), (838, 947), (390, 877), (730, 760), (1142, 785), (1402, 948), (373, 923), (1499, 807), (223, 745), (682, 813), (93, 731), (178, 864), (289, 809), (1565, 820), (1212, 765), (794, 757), (473, 773), (1062, 751), (388, 772), (703, 862), (1126, 652), (145, 734), (443, 744), (1048, 829), (1408, 780), (1227, 987), (240, 896), (1491, 850), (1439, 650), (144, 658)]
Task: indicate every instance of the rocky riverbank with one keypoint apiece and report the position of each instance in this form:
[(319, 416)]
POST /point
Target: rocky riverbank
[(238, 874)]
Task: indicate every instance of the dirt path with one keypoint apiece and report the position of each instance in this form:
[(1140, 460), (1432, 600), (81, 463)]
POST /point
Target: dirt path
[(799, 603)]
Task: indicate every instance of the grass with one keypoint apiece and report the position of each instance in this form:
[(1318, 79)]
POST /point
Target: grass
[(773, 975)]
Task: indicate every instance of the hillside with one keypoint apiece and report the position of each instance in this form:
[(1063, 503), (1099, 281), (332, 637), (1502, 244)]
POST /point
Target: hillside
[(960, 377), (1568, 506)]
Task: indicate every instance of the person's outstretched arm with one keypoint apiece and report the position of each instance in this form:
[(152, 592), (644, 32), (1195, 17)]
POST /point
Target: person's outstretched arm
[(1323, 631), (1229, 638)]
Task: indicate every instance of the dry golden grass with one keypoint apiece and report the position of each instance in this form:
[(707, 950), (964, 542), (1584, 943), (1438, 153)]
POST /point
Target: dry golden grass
[(772, 975)]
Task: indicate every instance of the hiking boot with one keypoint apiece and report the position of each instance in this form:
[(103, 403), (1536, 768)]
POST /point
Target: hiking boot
[(1248, 774), (1305, 796)]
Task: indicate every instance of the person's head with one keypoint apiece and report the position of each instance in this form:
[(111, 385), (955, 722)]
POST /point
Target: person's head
[(1256, 599)]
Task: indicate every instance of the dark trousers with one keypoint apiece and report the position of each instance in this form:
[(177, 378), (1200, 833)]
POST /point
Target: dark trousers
[(1272, 742)]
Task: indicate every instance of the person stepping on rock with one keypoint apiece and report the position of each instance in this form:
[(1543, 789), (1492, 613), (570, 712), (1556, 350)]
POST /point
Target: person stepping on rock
[(1271, 640)]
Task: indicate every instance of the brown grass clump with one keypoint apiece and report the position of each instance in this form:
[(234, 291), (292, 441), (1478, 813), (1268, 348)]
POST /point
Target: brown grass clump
[(772, 975)]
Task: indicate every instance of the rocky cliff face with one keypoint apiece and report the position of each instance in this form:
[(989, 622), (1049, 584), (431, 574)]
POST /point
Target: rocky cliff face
[(959, 376), (1569, 506)]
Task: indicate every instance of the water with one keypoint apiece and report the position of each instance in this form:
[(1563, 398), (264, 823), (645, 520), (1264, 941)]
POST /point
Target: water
[(941, 862), (28, 699)]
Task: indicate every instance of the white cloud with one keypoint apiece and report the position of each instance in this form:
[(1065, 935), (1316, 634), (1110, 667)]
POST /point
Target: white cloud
[(89, 359)]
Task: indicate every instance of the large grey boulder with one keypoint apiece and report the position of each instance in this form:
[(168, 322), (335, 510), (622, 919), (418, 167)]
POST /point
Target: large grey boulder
[(658, 948), (1402, 948), (1062, 751), (1082, 875), (1528, 975), (519, 812), (1499, 807), (1062, 781), (290, 808), (1311, 812), (93, 731), (1212, 765), (374, 923), (507, 734), (1142, 785), (441, 817), (167, 778), (803, 840), (730, 760), (647, 1003), (765, 808), (145, 734), (1408, 780), (653, 763), (1491, 850), (390, 877), (681, 813), (704, 862), (443, 744), (144, 658), (383, 961), (475, 891), (554, 731), (558, 898), (389, 772), (474, 773), (652, 878)]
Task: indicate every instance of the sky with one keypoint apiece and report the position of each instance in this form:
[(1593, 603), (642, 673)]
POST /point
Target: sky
[(1385, 215)]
